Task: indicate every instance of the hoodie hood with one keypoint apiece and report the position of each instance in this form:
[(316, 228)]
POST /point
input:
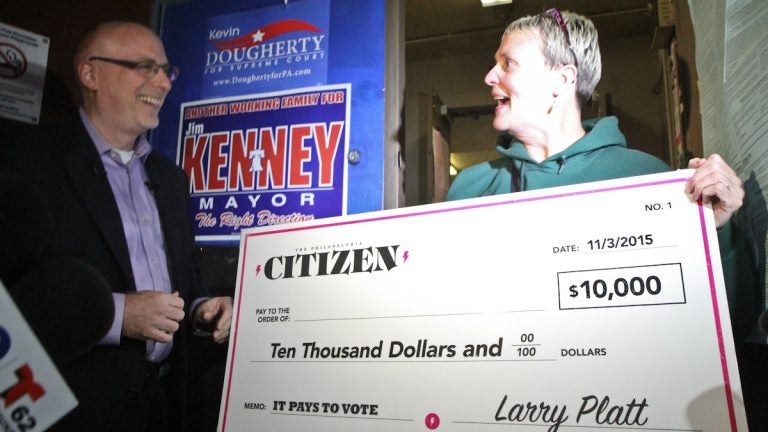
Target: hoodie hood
[(601, 154), (600, 133)]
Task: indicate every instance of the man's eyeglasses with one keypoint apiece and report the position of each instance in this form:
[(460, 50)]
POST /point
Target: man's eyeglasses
[(554, 13), (147, 68)]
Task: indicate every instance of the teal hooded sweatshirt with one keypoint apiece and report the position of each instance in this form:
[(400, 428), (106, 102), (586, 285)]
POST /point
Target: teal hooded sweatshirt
[(602, 154)]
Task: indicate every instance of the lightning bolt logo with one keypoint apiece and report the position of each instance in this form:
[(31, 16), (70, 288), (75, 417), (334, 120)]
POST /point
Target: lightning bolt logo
[(405, 256), (432, 421), (258, 269)]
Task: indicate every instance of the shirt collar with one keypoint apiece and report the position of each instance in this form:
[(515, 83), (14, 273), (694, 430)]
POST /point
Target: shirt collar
[(141, 149)]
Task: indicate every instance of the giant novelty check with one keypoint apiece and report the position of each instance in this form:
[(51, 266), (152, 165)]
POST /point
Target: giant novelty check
[(595, 306)]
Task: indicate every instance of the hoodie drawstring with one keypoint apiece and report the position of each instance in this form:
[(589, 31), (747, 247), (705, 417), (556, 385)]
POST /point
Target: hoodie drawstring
[(518, 174), (515, 174), (561, 162), (518, 177)]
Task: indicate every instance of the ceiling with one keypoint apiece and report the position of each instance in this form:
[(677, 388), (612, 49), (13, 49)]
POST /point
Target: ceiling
[(437, 28)]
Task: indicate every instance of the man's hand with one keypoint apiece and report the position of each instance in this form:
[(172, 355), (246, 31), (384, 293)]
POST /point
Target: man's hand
[(717, 183), (216, 311), (151, 315)]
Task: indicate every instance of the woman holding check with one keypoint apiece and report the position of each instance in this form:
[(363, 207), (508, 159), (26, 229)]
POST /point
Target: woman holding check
[(546, 68)]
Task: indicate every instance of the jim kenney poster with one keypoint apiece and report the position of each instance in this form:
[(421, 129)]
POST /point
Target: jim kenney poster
[(278, 112), (265, 159)]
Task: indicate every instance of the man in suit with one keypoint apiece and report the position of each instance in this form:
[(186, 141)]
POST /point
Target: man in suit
[(122, 209)]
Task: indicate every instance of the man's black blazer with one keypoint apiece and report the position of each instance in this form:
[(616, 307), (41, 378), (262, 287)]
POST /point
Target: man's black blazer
[(62, 161)]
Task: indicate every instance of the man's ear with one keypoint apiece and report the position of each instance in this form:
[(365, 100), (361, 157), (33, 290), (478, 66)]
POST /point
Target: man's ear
[(87, 75)]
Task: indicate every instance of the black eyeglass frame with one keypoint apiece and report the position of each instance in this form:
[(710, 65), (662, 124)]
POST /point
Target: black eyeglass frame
[(555, 14), (151, 68)]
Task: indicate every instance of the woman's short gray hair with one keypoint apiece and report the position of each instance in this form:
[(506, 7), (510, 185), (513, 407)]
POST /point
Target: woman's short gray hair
[(577, 45)]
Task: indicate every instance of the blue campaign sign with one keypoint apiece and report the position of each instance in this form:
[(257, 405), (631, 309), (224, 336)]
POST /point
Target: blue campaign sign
[(266, 49), (271, 99), (265, 159)]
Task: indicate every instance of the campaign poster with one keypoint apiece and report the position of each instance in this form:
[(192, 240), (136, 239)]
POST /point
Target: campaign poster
[(265, 159), (325, 59), (264, 49)]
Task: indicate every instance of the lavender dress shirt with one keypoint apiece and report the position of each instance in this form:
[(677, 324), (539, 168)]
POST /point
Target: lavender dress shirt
[(141, 225)]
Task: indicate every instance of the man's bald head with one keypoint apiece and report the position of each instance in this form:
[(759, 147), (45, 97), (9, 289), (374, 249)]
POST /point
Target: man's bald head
[(105, 35)]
